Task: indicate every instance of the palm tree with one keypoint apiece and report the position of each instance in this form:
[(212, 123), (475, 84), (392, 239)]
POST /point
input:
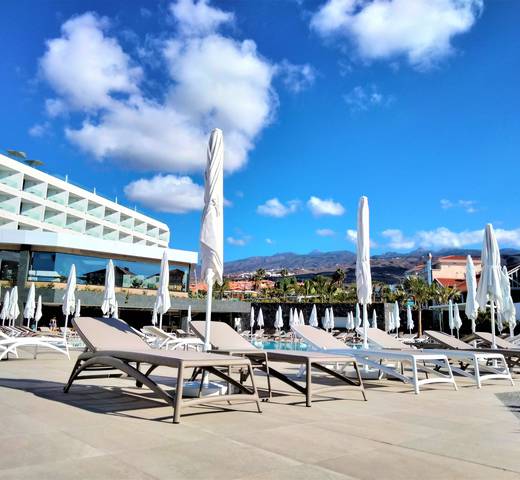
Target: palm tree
[(284, 272), (444, 294), (219, 289), (418, 289), (307, 289), (339, 276), (258, 276), (286, 287)]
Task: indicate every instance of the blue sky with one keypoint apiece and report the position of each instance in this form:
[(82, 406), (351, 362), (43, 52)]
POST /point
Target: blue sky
[(414, 104)]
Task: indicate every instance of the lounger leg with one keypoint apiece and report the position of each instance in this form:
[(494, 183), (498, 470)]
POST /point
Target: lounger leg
[(201, 384), (450, 372), (72, 377), (253, 384), (424, 364), (308, 381), (356, 366), (268, 377), (415, 376), (476, 369), (178, 394)]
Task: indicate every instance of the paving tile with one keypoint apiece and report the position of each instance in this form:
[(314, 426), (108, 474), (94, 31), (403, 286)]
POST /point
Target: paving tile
[(305, 443), (497, 450), (215, 458), (32, 449), (390, 462), (98, 468), (300, 472)]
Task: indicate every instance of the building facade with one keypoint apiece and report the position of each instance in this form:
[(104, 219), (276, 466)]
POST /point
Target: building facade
[(48, 224)]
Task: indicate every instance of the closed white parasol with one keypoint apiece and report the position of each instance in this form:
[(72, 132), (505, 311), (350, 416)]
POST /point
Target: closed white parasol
[(4, 314), (409, 319), (38, 314), (162, 299), (363, 275), (14, 309), (109, 306), (30, 305), (471, 295), (490, 285), (212, 225), (313, 320)]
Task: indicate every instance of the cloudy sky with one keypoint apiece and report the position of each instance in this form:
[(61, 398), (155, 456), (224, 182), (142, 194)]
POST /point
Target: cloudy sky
[(413, 103)]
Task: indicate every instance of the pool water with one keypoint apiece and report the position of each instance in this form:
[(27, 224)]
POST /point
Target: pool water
[(273, 345)]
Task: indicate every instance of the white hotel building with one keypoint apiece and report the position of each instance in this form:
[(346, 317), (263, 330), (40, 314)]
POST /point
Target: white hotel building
[(48, 224)]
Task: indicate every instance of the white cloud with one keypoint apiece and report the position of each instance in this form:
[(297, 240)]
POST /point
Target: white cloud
[(167, 193), (201, 67), (352, 235), (39, 129), (55, 107), (275, 208), (508, 237), (199, 18), (269, 241), (325, 232), (296, 78), (469, 206), (443, 237), (397, 239), (319, 207), (419, 30), (213, 80), (85, 67), (238, 241), (364, 98)]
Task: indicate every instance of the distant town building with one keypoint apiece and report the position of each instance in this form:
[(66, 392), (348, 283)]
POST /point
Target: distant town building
[(447, 271)]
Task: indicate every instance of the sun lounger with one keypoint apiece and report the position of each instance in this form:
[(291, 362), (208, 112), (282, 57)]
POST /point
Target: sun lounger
[(161, 339), (469, 362), (226, 340), (112, 345), (375, 358), (487, 339), (484, 342), (10, 344)]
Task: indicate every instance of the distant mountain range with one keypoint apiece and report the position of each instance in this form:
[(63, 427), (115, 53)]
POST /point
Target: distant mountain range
[(388, 267)]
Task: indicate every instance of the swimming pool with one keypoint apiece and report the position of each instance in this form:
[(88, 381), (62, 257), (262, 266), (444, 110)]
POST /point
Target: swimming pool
[(273, 345), (298, 346)]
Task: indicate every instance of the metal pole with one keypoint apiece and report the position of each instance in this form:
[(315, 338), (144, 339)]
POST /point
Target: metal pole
[(207, 332), (209, 298), (494, 345), (365, 327)]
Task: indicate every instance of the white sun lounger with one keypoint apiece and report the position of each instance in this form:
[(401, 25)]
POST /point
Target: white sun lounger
[(479, 366), (11, 344), (464, 360), (161, 339), (375, 358)]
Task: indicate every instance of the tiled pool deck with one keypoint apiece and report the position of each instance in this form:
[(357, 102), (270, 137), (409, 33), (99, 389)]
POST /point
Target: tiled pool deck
[(101, 431)]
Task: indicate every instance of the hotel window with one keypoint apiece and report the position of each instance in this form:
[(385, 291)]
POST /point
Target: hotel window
[(55, 267), (9, 265)]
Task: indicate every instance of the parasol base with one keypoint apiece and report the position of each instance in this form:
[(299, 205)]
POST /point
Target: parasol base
[(191, 389), (366, 373)]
